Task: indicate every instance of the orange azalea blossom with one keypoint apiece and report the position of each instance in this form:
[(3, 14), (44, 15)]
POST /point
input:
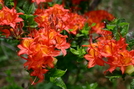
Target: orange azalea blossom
[(52, 17), (58, 18), (123, 59), (9, 17), (45, 43), (94, 56), (111, 52), (39, 1), (39, 66), (97, 17), (75, 22), (41, 48)]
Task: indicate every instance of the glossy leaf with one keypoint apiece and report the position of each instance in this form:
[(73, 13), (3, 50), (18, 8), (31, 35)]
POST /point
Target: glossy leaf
[(57, 73), (132, 84), (58, 81), (31, 8), (74, 51), (111, 27), (124, 30)]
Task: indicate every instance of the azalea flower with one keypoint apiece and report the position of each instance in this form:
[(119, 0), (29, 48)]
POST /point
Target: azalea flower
[(97, 17), (39, 1), (111, 52), (9, 17), (41, 47), (58, 18)]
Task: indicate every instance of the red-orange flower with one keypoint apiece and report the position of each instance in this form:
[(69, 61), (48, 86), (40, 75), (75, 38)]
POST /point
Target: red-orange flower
[(41, 48), (97, 17), (75, 22), (39, 66), (39, 1), (94, 56), (58, 18), (53, 17), (111, 52), (9, 17)]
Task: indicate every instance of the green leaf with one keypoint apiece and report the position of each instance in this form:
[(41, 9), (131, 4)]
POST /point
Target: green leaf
[(8, 3), (57, 73), (20, 3), (132, 84), (74, 51), (119, 28), (26, 6), (44, 85), (123, 23), (113, 77), (29, 20), (110, 26), (117, 36), (86, 29), (79, 35), (93, 24), (124, 30), (31, 8), (19, 10), (79, 52), (58, 81), (120, 21), (70, 29), (130, 43), (116, 33)]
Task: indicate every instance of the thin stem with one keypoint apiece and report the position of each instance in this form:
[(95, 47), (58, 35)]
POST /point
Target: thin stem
[(34, 80)]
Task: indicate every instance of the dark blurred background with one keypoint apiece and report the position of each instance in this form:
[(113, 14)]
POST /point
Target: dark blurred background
[(120, 9)]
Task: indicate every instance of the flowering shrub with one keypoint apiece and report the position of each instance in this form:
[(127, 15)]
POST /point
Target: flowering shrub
[(48, 32)]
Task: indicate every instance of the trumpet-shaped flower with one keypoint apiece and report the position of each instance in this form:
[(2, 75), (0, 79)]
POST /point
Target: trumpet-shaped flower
[(41, 48), (58, 18), (9, 17), (111, 52), (98, 17)]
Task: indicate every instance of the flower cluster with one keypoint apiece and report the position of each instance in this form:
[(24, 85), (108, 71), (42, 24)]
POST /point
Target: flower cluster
[(9, 17), (58, 18), (41, 48), (98, 18), (47, 42), (10, 22), (106, 50), (111, 52)]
